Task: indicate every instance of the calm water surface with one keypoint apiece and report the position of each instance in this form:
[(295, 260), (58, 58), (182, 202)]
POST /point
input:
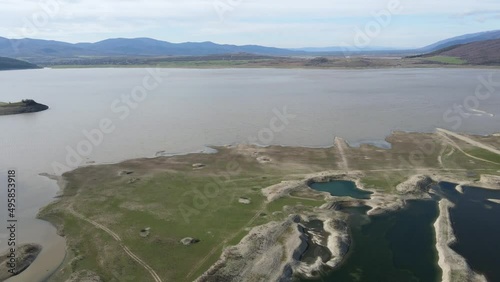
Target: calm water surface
[(475, 221), (392, 247)]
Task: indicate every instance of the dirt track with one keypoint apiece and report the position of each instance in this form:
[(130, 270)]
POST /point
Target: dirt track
[(119, 240)]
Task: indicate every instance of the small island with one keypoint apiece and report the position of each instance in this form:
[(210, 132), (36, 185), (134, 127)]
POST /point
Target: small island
[(13, 263), (25, 106)]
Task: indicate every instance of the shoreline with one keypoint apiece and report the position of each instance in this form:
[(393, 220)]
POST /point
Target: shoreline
[(287, 67), (51, 257), (53, 245)]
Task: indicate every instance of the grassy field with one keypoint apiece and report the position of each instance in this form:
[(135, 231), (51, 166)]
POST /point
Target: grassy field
[(484, 154), (178, 64), (447, 60), (384, 181), (176, 200), (285, 63)]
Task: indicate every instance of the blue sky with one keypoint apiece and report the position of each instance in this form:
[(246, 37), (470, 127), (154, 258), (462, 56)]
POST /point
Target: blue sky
[(280, 23)]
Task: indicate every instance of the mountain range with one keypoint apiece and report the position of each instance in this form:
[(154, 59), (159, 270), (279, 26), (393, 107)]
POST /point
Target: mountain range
[(39, 51), (33, 48)]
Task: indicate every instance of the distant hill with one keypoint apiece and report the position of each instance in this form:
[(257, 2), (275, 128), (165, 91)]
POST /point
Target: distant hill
[(36, 49), (13, 64), (463, 39), (351, 49), (49, 52), (476, 53)]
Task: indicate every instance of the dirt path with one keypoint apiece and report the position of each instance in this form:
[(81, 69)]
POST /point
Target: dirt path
[(442, 153), (440, 157), (119, 240), (341, 145), (455, 145), (470, 141), (303, 198)]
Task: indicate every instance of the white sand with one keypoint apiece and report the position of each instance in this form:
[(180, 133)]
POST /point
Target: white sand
[(495, 201)]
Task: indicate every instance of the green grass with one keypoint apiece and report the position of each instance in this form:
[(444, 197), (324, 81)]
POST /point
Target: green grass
[(485, 154), (187, 210), (156, 202), (184, 203), (174, 64), (385, 182), (459, 160), (447, 60)]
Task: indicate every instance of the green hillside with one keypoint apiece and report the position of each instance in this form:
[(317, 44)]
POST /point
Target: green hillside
[(13, 64)]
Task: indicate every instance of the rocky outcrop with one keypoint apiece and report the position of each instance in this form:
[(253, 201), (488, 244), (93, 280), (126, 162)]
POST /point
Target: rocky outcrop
[(381, 203), (264, 160), (257, 255), (417, 184), (274, 251), (189, 241), (245, 201)]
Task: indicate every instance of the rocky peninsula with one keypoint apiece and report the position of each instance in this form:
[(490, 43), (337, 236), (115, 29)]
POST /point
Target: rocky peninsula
[(23, 107)]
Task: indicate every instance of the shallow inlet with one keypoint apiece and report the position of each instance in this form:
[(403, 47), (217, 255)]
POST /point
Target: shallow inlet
[(341, 188), (396, 246)]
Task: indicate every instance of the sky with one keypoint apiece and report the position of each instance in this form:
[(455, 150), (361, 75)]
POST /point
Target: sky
[(278, 23)]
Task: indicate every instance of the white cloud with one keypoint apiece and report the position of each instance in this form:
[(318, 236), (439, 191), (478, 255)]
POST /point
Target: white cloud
[(278, 22)]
